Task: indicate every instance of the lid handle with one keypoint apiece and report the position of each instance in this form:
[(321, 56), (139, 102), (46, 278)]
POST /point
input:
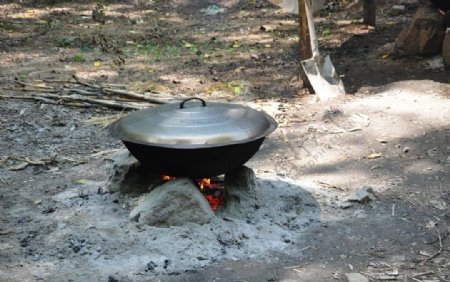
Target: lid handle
[(193, 98)]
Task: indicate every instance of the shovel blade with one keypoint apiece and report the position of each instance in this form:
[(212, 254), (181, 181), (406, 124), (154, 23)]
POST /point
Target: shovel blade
[(323, 78)]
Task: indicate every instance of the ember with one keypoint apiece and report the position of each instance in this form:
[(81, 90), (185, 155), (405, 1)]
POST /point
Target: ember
[(214, 191), (212, 188), (167, 178)]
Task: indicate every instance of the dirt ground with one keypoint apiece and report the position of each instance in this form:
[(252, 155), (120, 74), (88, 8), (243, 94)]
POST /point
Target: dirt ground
[(391, 133)]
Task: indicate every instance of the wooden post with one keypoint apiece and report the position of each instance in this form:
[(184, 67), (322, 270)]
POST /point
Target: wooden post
[(304, 40), (370, 12)]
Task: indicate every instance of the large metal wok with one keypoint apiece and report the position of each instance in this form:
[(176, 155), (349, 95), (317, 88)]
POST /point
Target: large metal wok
[(194, 138)]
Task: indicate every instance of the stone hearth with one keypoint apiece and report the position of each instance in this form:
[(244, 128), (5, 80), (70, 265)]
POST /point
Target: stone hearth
[(180, 201)]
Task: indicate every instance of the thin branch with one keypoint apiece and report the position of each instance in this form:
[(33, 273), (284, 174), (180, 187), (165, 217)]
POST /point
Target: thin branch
[(33, 89), (134, 95), (106, 103), (41, 99), (109, 91), (57, 81), (440, 238), (84, 83), (33, 85), (81, 91)]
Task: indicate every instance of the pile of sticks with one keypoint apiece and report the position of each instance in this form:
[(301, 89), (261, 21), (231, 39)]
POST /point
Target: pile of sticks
[(79, 93)]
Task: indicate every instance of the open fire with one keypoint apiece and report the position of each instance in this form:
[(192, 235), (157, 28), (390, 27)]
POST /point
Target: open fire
[(212, 188)]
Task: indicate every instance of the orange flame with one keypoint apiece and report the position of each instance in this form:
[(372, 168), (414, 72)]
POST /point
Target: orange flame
[(205, 182), (214, 198)]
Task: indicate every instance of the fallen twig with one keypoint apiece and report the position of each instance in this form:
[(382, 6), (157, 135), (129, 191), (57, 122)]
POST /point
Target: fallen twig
[(117, 98), (36, 87), (57, 81), (33, 85), (101, 153), (324, 184), (109, 90), (304, 249), (379, 277), (105, 121), (69, 159), (107, 103), (33, 89), (440, 238), (110, 85), (294, 266), (38, 162), (134, 95), (415, 277), (84, 83), (27, 162), (81, 91), (41, 99), (422, 274)]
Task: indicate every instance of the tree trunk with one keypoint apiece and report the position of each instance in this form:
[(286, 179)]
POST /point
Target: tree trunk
[(370, 11), (304, 40)]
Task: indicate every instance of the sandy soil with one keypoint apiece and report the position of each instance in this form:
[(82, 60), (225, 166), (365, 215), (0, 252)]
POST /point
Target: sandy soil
[(60, 222)]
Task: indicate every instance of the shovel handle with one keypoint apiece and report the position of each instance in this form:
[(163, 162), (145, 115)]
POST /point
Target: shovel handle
[(312, 30)]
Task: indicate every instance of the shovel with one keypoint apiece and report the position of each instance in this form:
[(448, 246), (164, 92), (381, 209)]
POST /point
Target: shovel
[(320, 71)]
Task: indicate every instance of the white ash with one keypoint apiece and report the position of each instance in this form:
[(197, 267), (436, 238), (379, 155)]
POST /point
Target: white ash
[(111, 243)]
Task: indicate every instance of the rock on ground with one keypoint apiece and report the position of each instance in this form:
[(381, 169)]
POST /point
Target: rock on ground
[(362, 195), (240, 187), (174, 203), (424, 36), (129, 176), (356, 277), (397, 10)]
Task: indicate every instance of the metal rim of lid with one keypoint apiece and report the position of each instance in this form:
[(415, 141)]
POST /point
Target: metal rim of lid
[(182, 126)]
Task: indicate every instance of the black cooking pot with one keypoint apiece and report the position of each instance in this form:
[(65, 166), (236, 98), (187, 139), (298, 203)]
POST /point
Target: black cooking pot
[(195, 139)]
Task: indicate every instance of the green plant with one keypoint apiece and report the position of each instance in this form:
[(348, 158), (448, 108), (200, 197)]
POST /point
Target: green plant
[(65, 41), (79, 59), (154, 52), (21, 77), (326, 32), (7, 26), (86, 47)]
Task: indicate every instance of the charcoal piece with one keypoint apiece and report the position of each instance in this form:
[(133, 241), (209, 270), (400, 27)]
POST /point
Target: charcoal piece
[(151, 266)]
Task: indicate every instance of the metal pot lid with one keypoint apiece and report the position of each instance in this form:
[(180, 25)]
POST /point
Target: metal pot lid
[(194, 124)]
